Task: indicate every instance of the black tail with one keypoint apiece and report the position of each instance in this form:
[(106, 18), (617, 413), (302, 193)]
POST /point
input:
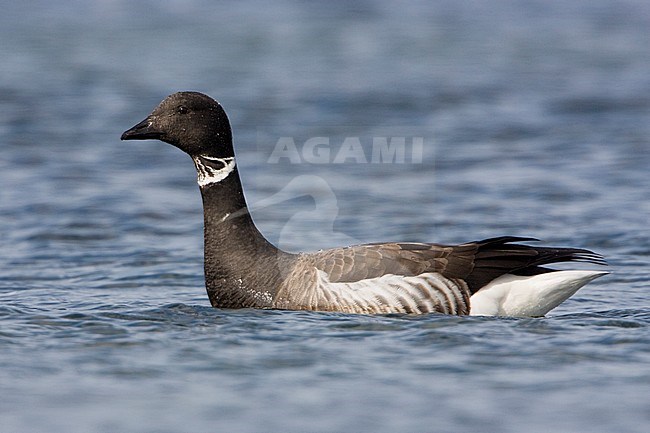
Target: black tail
[(497, 256)]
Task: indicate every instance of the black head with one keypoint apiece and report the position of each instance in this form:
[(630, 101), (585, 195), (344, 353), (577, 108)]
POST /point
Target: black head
[(191, 121)]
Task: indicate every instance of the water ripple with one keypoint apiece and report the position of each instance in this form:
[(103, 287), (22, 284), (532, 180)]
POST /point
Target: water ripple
[(535, 121)]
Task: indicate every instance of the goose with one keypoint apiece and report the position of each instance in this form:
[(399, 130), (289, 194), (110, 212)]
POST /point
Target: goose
[(500, 276)]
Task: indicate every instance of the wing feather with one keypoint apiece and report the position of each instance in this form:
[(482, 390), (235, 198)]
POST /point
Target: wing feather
[(412, 277), (476, 262)]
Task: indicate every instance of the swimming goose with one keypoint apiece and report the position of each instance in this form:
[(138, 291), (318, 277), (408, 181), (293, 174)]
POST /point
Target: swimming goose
[(497, 276)]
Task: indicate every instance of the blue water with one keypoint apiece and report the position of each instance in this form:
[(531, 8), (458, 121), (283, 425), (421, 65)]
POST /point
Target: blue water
[(535, 118)]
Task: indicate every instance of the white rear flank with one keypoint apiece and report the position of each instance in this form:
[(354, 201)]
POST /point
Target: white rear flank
[(528, 296)]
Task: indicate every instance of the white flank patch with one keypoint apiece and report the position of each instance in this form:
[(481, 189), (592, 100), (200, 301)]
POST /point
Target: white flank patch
[(207, 175), (387, 294), (528, 296)]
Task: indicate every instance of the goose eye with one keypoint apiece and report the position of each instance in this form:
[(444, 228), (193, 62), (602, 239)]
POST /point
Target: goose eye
[(182, 110)]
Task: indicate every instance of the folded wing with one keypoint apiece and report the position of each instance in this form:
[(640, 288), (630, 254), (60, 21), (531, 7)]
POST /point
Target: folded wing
[(414, 277)]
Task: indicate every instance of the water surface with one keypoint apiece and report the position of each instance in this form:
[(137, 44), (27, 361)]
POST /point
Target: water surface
[(535, 123)]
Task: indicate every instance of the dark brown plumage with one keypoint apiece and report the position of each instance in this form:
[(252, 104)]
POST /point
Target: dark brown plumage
[(478, 263)]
